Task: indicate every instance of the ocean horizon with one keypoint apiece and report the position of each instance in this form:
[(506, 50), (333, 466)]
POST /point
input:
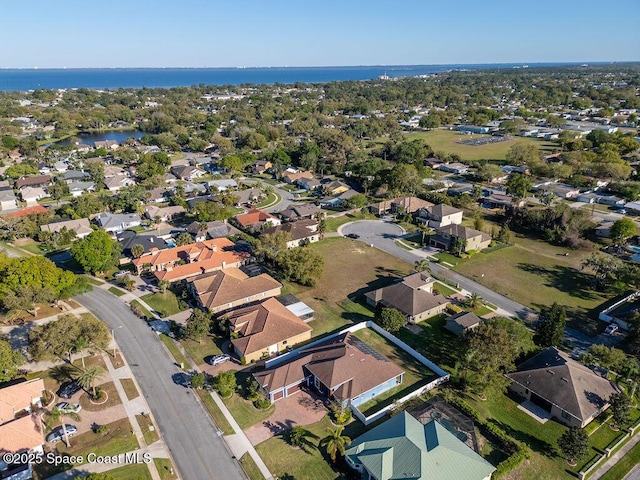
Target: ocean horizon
[(25, 79)]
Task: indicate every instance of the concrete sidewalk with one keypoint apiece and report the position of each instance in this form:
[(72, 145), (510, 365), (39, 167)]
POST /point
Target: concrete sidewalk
[(615, 458)]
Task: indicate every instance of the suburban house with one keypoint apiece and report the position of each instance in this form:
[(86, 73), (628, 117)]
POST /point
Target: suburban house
[(8, 200), (222, 184), (265, 329), (114, 184), (31, 195), (405, 204), (19, 431), (309, 183), (402, 447), (472, 129), (455, 167), (499, 200), (117, 222), (335, 187), (342, 368), (201, 231), (71, 176), (129, 238), (254, 220), (301, 232), (293, 177), (82, 227), (338, 200), (78, 188), (166, 214), (440, 215), (412, 295), (229, 288), (178, 263), (187, 172), (604, 229), (113, 171), (249, 196), (37, 181), (462, 323), (298, 212), (459, 237), (566, 389), (106, 144), (561, 190), (261, 166)]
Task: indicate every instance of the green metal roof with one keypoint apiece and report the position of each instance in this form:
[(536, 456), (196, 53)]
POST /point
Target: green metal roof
[(403, 448)]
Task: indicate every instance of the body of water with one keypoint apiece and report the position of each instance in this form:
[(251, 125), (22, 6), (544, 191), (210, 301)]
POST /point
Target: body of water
[(90, 138), (33, 79)]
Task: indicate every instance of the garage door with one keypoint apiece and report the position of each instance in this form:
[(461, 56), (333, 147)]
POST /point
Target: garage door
[(278, 395), (294, 389)]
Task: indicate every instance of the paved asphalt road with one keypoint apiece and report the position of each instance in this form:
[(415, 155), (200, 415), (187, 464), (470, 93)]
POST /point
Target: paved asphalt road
[(286, 197), (634, 474), (191, 437)]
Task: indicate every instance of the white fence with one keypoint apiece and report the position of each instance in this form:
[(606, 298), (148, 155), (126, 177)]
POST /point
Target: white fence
[(604, 315)]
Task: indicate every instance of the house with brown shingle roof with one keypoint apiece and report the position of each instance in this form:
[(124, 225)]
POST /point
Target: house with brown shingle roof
[(467, 238), (300, 232), (230, 288), (568, 390), (412, 295), (407, 204), (82, 227), (254, 220), (342, 368), (178, 263), (293, 177), (265, 329), (440, 215), (36, 181)]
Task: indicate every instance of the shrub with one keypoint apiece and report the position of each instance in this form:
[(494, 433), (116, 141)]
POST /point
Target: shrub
[(100, 429)]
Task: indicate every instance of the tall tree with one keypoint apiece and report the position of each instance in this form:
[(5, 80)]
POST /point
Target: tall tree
[(97, 252), (88, 377), (335, 443), (301, 265), (518, 185), (574, 444), (550, 328), (57, 415), (391, 319), (10, 361), (620, 408), (198, 324), (622, 230)]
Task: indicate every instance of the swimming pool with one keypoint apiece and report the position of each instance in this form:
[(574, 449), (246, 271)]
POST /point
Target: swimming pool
[(634, 249), (171, 243)]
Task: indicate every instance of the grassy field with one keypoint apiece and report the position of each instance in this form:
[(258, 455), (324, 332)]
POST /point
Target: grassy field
[(446, 141), (165, 468), (165, 305), (215, 412), (332, 223), (129, 388), (198, 351), (271, 199), (415, 374), (243, 410), (536, 274), (250, 467), (350, 269)]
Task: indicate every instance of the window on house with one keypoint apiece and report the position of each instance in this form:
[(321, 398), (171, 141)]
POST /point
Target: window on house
[(566, 415)]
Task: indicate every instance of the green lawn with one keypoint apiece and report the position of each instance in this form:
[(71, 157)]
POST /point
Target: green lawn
[(114, 399), (118, 292), (215, 412), (415, 374), (448, 258), (198, 351), (250, 467), (243, 410), (557, 278), (144, 310), (351, 269), (624, 465), (136, 471), (165, 468), (175, 351), (444, 289), (165, 305), (446, 141), (285, 461), (93, 281), (332, 223), (271, 199)]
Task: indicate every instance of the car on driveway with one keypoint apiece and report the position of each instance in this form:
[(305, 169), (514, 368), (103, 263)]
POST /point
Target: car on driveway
[(121, 273), (57, 433), (67, 390), (611, 329), (218, 359), (69, 407)]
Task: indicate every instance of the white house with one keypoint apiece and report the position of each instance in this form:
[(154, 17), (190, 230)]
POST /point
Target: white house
[(116, 223), (31, 195), (223, 184), (116, 183), (78, 188)]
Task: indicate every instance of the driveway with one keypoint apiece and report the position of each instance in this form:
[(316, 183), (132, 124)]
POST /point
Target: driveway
[(299, 409), (187, 429)]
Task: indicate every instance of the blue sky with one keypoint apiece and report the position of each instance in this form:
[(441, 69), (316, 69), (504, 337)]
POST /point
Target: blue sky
[(214, 33)]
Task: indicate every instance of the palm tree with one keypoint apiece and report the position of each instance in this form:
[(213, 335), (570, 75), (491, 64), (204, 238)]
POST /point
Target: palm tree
[(88, 376), (163, 285), (425, 229), (79, 344), (58, 416), (474, 301), (421, 265), (335, 443)]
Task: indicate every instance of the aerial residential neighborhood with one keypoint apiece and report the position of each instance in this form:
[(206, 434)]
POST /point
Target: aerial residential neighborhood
[(431, 275)]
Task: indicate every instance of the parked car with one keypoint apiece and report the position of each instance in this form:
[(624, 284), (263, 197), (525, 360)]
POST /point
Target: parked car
[(218, 359), (611, 329), (622, 211), (57, 433), (69, 407), (121, 273), (355, 236), (67, 390)]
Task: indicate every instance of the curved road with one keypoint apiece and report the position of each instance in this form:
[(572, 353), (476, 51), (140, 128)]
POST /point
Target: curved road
[(199, 453)]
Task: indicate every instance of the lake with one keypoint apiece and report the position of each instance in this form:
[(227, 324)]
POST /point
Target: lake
[(90, 138)]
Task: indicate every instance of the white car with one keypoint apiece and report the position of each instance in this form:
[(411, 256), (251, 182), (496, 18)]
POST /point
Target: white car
[(218, 359), (69, 407), (611, 329)]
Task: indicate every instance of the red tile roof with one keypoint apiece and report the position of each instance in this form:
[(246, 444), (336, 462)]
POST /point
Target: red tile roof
[(254, 216), (27, 211)]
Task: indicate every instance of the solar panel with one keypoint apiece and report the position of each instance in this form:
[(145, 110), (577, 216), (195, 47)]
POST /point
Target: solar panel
[(367, 349)]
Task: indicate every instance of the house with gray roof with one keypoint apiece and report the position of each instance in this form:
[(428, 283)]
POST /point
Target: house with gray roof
[(222, 184), (566, 389), (412, 295), (117, 222), (8, 200), (462, 322), (78, 188), (80, 226), (440, 215), (299, 212), (71, 176), (402, 447)]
